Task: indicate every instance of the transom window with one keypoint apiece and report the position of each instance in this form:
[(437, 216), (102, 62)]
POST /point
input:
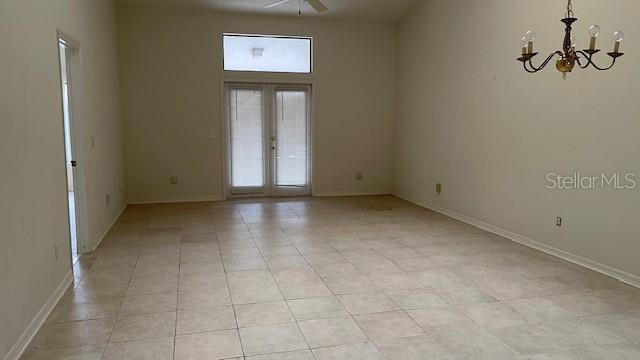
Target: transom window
[(267, 53)]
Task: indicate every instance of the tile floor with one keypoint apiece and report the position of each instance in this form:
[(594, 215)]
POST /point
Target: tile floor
[(329, 279)]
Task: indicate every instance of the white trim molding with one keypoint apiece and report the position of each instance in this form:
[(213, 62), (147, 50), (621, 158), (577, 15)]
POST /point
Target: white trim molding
[(173, 200), (104, 233), (620, 275), (30, 332), (349, 193)]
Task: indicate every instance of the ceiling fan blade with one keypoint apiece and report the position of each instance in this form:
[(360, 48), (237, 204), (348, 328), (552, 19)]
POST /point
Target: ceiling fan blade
[(318, 5), (276, 4)]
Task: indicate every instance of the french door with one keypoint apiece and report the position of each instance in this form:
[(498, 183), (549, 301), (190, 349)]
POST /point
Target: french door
[(269, 137)]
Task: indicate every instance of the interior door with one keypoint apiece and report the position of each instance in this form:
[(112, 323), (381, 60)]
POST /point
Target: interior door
[(67, 54), (268, 139)]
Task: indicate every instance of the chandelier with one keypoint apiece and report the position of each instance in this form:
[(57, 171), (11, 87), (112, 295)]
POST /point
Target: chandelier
[(568, 57)]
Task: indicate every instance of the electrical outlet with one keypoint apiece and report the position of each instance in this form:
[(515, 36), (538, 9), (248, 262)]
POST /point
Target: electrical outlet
[(107, 200), (173, 180), (359, 175), (438, 188), (558, 221)]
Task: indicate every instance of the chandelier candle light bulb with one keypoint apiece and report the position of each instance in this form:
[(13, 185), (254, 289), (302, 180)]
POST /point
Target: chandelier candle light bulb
[(594, 31), (530, 37), (569, 56), (617, 37)]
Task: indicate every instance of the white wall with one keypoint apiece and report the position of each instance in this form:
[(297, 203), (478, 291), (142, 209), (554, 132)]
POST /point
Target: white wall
[(171, 80), (33, 208), (471, 118)]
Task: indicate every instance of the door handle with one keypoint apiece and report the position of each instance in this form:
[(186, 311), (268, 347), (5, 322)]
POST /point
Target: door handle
[(74, 163)]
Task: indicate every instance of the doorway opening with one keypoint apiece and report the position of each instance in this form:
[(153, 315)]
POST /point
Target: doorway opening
[(67, 54), (269, 139)]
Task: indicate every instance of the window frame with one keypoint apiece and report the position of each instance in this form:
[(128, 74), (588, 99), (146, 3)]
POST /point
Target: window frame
[(311, 53)]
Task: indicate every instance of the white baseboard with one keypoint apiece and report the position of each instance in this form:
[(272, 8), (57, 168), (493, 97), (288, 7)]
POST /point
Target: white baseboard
[(20, 346), (104, 233), (628, 278), (172, 200), (348, 193)]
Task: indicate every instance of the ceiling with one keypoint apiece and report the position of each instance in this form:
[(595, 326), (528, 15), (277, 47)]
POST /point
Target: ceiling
[(375, 10)]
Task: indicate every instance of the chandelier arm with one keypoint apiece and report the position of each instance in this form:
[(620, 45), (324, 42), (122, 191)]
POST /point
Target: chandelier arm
[(527, 68), (559, 53), (604, 69), (590, 62), (586, 56)]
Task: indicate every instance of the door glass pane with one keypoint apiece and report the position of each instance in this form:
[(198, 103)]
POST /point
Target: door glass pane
[(267, 53), (291, 138), (247, 150)]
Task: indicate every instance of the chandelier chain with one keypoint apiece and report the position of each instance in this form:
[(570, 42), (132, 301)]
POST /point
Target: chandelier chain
[(570, 13)]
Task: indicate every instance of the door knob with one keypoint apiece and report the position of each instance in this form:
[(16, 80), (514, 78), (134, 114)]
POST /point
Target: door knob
[(74, 163)]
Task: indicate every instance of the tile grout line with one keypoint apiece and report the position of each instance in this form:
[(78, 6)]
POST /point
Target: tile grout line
[(233, 306), (284, 299), (175, 330), (104, 354), (339, 301)]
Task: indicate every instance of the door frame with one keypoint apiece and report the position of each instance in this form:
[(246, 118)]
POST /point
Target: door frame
[(265, 83), (75, 75)]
